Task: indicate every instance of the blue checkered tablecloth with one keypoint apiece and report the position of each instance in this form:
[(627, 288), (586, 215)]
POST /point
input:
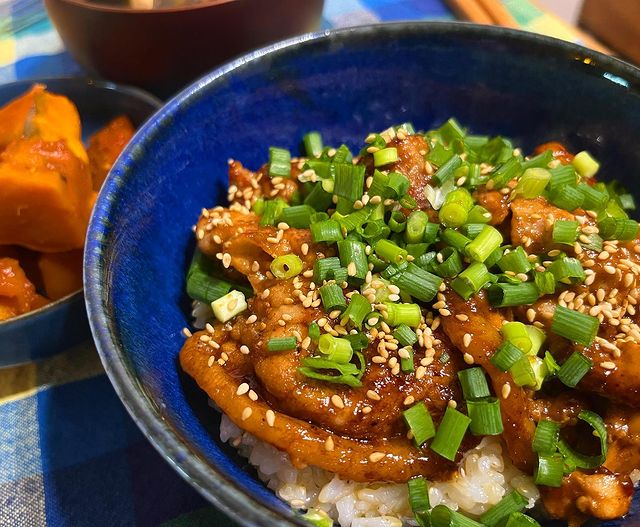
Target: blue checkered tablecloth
[(69, 453)]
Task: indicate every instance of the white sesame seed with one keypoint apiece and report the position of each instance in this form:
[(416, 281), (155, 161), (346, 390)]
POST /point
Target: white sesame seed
[(253, 395), (244, 350), (468, 358), (466, 340), (337, 401), (409, 400), (187, 332), (376, 456), (506, 390), (246, 413), (271, 417), (452, 404), (608, 365), (242, 389)]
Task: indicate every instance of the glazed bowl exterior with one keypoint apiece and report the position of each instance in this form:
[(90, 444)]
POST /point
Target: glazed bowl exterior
[(345, 84), (63, 323), (164, 49)]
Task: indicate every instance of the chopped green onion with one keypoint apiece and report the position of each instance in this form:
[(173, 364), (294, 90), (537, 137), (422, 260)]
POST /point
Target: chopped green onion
[(627, 201), (287, 266), (516, 261), (451, 264), (354, 258), (358, 309), (509, 295), (419, 422), (326, 231), (506, 172), (419, 494), (228, 306), (574, 369), (349, 380), (522, 372), (438, 155), (397, 185), (349, 181), (540, 371), (342, 155), (325, 269), (297, 216), (573, 325), (618, 229), (552, 366), (317, 518), (406, 363), (443, 516), (332, 297), (397, 221), (567, 270), (545, 282), (314, 331), (486, 419), (550, 470), (512, 502), (373, 231), (474, 384), (321, 363), (416, 226), (585, 165), (595, 242), (545, 439), (282, 343), (279, 162), (379, 184), (416, 249), (408, 314), (532, 183), (461, 196), (450, 433), (517, 334), (518, 519), (561, 176), (447, 170), (389, 251), (469, 281), (353, 221), (312, 144), (452, 215), (451, 131), (506, 356), (484, 244), (471, 230), (593, 199), (318, 198), (203, 285), (565, 232), (540, 161), (417, 282), (579, 460), (455, 239), (385, 156), (405, 335), (478, 214), (272, 211), (566, 197), (537, 338), (336, 349)]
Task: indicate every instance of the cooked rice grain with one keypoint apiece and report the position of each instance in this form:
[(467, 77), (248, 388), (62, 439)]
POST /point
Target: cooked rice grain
[(484, 477)]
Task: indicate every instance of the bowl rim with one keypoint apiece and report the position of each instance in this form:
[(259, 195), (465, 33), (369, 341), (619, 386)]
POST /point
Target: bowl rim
[(209, 481), (88, 83), (106, 8)]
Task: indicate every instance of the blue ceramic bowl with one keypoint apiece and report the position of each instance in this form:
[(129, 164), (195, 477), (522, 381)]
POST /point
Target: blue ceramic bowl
[(344, 83), (63, 323)]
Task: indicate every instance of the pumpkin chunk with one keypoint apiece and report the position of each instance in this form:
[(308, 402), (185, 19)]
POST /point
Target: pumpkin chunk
[(17, 294)]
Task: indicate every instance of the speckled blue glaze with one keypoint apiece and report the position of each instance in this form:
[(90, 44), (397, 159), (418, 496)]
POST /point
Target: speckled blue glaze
[(63, 323), (344, 83)]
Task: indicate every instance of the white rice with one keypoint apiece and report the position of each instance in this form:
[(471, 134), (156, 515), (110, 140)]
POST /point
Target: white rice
[(484, 476)]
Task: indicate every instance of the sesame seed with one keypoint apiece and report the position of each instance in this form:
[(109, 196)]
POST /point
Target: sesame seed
[(468, 358), (506, 390), (246, 413), (373, 395), (531, 314), (337, 401), (187, 332), (366, 409), (304, 249), (444, 312), (462, 317), (452, 404), (211, 360), (253, 395), (409, 400), (328, 444), (421, 371), (271, 417), (265, 293), (242, 389), (255, 267), (466, 340), (608, 365), (226, 260), (604, 255), (610, 269), (376, 456), (244, 350), (205, 338)]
